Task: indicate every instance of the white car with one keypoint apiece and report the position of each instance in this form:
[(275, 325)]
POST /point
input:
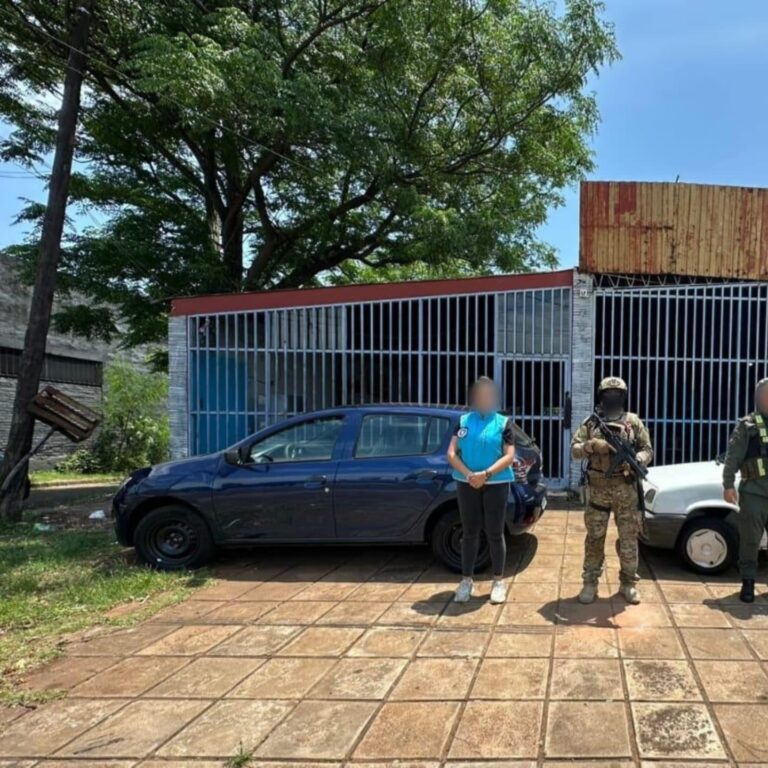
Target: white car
[(685, 510)]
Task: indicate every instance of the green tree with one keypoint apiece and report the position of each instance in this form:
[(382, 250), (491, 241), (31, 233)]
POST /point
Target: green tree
[(234, 144), (135, 431)]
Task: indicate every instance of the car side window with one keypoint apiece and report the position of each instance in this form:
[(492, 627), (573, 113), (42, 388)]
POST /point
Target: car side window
[(399, 434), (308, 441)]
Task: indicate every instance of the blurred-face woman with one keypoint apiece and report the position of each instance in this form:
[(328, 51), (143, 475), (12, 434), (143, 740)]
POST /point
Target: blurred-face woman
[(481, 453)]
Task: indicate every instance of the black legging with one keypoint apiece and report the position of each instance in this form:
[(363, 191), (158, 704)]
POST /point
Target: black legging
[(483, 509)]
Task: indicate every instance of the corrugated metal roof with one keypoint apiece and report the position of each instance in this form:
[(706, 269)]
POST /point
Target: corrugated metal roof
[(655, 228)]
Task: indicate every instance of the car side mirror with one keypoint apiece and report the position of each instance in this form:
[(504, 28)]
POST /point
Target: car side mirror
[(232, 457)]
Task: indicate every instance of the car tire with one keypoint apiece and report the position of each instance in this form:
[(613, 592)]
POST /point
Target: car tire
[(708, 545), (173, 538), (446, 543)]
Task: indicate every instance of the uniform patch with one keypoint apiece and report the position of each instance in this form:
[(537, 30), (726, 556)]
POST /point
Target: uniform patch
[(463, 432)]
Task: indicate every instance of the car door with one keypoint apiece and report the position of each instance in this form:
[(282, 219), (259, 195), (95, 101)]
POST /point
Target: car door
[(395, 471), (283, 490)]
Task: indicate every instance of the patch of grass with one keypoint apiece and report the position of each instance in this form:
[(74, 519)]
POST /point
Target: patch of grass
[(241, 759), (43, 477), (59, 582)]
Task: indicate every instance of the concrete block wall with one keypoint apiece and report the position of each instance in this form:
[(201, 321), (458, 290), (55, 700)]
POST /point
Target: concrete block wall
[(178, 403), (582, 357)]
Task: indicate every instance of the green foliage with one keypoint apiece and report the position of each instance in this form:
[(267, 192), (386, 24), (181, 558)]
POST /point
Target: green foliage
[(231, 144), (135, 431)]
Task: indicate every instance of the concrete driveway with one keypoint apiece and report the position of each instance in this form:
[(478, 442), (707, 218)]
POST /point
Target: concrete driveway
[(357, 656)]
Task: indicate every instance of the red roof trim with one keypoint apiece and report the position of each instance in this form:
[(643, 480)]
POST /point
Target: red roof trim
[(312, 297)]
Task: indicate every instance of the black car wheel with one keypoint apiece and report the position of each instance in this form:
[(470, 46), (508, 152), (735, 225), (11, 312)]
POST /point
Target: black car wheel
[(446, 543), (708, 545), (173, 538)]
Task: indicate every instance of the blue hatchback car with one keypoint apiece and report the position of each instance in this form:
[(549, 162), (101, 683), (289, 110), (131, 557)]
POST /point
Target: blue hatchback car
[(352, 475)]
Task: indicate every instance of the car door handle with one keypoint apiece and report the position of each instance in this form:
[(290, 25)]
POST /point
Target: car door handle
[(422, 474), (316, 481)]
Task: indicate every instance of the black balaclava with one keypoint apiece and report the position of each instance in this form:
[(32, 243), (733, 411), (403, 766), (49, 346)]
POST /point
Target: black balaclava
[(612, 402)]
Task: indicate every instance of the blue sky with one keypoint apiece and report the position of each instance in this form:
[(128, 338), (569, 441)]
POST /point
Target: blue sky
[(686, 99)]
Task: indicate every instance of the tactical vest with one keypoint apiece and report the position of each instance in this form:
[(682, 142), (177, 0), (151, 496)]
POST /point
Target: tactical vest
[(755, 464)]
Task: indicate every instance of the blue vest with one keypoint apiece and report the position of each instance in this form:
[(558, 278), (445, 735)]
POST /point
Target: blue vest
[(481, 444)]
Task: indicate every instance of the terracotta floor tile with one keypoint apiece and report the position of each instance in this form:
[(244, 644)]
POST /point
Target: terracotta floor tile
[(538, 575), (228, 589), (136, 730), (450, 643), (418, 614), (190, 640), (221, 730), (322, 641), (495, 730), (650, 643), (353, 613), (387, 641), (66, 672), (408, 730), (727, 594), (121, 642), (601, 613), (257, 641), (715, 644), (532, 593), (436, 679), (440, 592), (189, 610), (533, 642), (275, 591), (206, 677), (325, 730), (643, 615), (744, 727), (528, 614), (592, 642), (74, 764), (734, 681), (240, 612), (511, 678), (477, 612), (686, 593), (297, 612), (358, 678), (697, 615), (594, 764), (676, 731), (191, 763), (378, 591), (52, 725), (131, 677), (598, 679), (602, 730), (327, 590), (282, 678), (758, 640), (653, 680), (748, 616)]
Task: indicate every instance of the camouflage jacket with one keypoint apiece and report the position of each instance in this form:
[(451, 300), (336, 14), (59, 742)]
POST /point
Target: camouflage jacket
[(632, 429), (741, 447)]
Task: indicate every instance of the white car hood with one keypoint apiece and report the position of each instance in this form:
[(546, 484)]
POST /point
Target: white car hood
[(675, 476)]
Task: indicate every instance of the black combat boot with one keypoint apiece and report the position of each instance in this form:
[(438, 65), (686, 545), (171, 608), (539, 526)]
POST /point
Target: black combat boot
[(747, 594)]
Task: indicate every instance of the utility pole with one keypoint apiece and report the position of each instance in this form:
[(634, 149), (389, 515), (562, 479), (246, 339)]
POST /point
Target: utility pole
[(33, 356)]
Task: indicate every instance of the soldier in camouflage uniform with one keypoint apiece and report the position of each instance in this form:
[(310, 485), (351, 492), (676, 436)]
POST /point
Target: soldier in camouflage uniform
[(748, 454), (617, 494)]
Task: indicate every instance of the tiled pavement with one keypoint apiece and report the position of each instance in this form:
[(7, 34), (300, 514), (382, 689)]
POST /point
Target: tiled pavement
[(347, 657)]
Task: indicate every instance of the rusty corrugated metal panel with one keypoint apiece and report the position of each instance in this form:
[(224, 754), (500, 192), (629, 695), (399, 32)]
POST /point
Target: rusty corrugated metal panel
[(679, 229)]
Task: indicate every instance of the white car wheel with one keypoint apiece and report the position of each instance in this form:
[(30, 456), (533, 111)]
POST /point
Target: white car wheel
[(708, 545)]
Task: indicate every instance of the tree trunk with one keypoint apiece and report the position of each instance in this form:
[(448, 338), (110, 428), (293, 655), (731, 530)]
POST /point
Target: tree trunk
[(31, 363)]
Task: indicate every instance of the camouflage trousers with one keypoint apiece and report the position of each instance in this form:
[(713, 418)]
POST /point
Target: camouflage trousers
[(621, 499)]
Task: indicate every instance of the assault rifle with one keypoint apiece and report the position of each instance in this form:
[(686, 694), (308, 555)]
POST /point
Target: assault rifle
[(623, 454)]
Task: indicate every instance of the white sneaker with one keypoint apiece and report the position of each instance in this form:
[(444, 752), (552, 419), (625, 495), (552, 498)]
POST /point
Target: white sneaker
[(464, 592), (498, 592)]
